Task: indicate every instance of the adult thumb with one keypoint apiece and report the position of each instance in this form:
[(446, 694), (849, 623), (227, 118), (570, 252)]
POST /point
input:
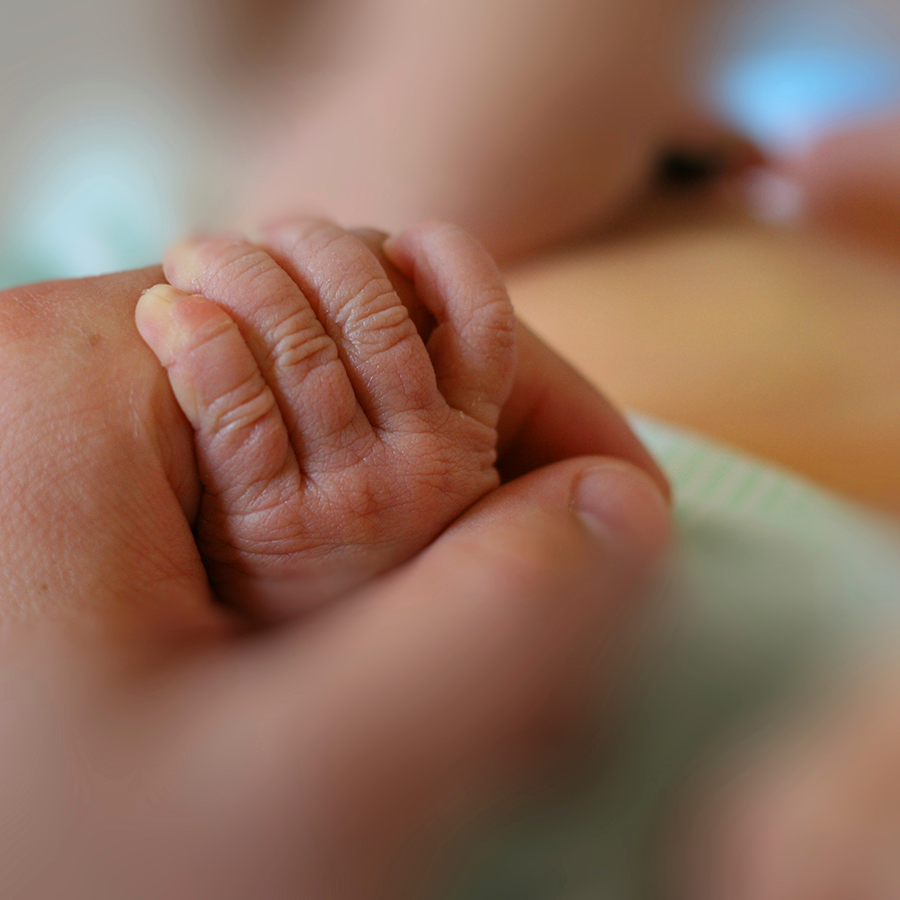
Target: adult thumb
[(400, 693)]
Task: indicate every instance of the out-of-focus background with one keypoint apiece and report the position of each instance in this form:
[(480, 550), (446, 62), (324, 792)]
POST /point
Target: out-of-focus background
[(790, 71), (106, 123), (119, 131)]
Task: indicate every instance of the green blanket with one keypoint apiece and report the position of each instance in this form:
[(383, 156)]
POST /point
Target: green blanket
[(773, 582)]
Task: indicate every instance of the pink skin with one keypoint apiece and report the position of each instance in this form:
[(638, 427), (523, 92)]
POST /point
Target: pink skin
[(346, 399), (306, 762), (309, 761), (333, 442), (97, 470), (529, 123), (98, 462), (851, 186)]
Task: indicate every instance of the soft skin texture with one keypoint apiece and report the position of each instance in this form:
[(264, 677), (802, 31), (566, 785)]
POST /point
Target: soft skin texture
[(97, 469), (334, 441), (262, 765), (524, 121)]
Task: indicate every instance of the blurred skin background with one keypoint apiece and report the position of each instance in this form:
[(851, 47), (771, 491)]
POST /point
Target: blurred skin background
[(127, 124), (758, 309), (152, 107)]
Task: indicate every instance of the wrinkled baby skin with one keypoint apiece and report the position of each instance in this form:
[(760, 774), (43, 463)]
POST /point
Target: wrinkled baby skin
[(344, 399)]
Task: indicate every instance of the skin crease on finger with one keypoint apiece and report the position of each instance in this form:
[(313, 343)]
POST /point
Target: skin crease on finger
[(547, 397), (333, 444)]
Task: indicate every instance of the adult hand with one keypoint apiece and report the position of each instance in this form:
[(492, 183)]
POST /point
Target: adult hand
[(96, 470), (296, 763), (311, 761), (98, 476)]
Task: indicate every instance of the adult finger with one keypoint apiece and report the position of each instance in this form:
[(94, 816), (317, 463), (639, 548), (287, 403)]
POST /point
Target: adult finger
[(554, 413), (404, 693)]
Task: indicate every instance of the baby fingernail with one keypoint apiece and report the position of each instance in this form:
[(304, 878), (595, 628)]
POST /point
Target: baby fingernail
[(162, 293), (155, 304), (153, 317)]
